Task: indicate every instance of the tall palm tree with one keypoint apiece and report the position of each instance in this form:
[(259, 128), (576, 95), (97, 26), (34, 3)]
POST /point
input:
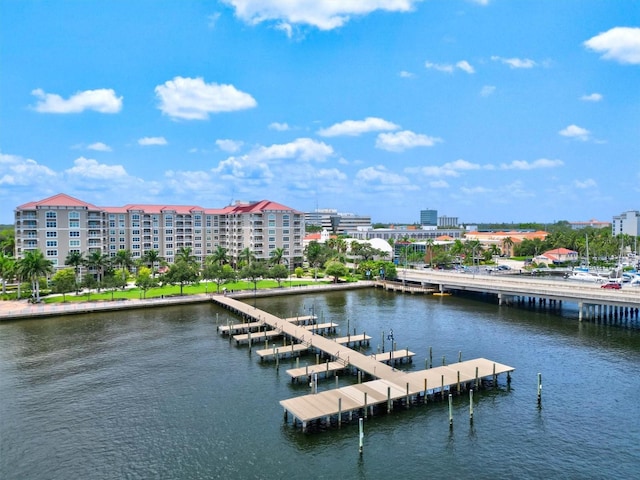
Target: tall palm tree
[(184, 255), (151, 258), (76, 260), (99, 261), (507, 244), (33, 266), (7, 269), (277, 255), (246, 257), (220, 256), (124, 259)]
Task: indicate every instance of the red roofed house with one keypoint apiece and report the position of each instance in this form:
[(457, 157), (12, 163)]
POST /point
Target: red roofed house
[(558, 255), (62, 224)]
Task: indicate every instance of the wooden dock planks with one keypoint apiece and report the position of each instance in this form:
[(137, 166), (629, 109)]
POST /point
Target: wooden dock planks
[(390, 385)]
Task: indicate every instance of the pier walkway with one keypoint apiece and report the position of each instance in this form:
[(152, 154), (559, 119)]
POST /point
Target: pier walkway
[(390, 384)]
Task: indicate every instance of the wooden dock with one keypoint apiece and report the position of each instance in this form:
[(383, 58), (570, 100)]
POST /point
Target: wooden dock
[(320, 368), (390, 385), (353, 339), (281, 352)]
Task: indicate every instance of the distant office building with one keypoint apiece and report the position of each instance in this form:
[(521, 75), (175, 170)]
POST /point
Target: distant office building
[(429, 218), (335, 222), (62, 224), (591, 223), (447, 222), (627, 223), (404, 233)]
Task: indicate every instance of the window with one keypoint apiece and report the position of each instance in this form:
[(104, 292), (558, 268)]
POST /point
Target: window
[(74, 215), (52, 243), (74, 243), (74, 234), (50, 215), (52, 234), (74, 250), (52, 253), (74, 223), (122, 241), (51, 224), (272, 232), (112, 224), (135, 232)]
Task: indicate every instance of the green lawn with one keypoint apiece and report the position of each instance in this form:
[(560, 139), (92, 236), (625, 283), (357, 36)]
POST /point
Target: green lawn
[(172, 290)]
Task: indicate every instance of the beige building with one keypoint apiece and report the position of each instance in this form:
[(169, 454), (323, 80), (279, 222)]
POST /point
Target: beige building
[(62, 224)]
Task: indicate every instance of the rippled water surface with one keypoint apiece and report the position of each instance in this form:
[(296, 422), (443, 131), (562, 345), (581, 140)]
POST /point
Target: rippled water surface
[(157, 393)]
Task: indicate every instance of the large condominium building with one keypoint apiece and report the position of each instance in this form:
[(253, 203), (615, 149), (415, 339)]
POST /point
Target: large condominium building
[(62, 224), (627, 223)]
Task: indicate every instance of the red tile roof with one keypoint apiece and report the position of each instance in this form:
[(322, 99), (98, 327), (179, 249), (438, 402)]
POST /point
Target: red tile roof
[(59, 200)]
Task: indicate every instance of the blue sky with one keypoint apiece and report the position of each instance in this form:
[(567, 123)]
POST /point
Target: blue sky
[(487, 110)]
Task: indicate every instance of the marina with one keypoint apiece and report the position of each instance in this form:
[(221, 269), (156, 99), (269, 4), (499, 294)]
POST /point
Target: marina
[(389, 385)]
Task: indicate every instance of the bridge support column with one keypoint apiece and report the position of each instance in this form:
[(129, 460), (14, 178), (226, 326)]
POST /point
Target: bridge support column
[(580, 308)]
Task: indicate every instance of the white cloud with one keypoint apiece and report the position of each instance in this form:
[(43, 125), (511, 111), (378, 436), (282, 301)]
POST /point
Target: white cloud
[(574, 131), (441, 67), (88, 168), (379, 178), (99, 147), (588, 183), (515, 62), (301, 149), (212, 19), (449, 68), (449, 169), (230, 146), (183, 182), (524, 165), (592, 97), (439, 184), (405, 74), (484, 3), (193, 99), (322, 14), (279, 127), (465, 66), (487, 90), (146, 141), (401, 141), (102, 100), (17, 171), (358, 127), (621, 44)]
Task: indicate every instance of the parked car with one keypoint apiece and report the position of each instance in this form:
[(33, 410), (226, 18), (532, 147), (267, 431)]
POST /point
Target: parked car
[(504, 267), (613, 285)]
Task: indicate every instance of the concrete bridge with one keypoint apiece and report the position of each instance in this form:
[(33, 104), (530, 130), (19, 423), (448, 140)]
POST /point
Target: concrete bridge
[(592, 300)]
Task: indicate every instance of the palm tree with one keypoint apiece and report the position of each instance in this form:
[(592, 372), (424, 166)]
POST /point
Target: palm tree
[(277, 256), (98, 261), (507, 244), (184, 255), (151, 258), (7, 269), (75, 259), (246, 257), (219, 256), (33, 266), (125, 260)]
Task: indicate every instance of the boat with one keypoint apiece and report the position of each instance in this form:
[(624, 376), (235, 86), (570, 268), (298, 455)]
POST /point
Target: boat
[(585, 276)]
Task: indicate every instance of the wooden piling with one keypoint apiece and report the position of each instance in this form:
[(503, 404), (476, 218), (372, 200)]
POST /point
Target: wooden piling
[(360, 435), (450, 411), (471, 405), (539, 389)]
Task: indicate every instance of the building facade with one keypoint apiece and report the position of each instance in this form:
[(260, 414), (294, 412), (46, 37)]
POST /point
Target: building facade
[(626, 223), (429, 218), (403, 233), (334, 222), (62, 224)]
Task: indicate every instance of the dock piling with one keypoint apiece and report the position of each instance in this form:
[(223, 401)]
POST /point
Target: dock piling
[(539, 389), (361, 433), (450, 411), (471, 405)]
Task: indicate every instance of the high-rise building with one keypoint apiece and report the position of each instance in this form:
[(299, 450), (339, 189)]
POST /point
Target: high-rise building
[(61, 224), (626, 223), (429, 218), (335, 222)]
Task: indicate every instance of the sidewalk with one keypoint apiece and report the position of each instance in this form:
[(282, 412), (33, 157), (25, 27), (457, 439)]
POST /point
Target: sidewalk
[(21, 309)]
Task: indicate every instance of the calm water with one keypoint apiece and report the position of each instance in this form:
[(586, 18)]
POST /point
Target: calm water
[(157, 394)]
